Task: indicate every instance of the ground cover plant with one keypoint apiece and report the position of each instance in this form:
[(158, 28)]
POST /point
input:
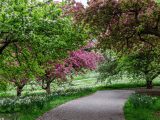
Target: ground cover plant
[(32, 110), (142, 107)]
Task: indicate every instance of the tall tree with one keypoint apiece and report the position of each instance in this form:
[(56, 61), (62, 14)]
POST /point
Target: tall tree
[(128, 27), (141, 65), (122, 24), (31, 34)]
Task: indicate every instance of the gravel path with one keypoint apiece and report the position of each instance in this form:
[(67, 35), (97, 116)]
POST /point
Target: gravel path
[(103, 105)]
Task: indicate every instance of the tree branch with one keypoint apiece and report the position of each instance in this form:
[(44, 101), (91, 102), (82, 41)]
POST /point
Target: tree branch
[(4, 46), (5, 43), (17, 54), (151, 31), (143, 40)]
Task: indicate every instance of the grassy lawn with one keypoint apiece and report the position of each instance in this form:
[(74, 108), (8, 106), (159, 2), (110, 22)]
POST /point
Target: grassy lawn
[(140, 113), (85, 80)]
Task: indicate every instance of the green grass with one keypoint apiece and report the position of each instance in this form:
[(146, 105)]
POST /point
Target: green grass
[(139, 113), (35, 113), (124, 86), (88, 80)]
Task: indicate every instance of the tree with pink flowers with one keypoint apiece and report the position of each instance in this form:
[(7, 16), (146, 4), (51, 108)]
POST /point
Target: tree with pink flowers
[(75, 63), (130, 28)]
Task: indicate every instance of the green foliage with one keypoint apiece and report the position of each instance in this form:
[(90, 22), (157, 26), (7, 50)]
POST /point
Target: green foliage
[(143, 101), (108, 70), (138, 65), (144, 65), (158, 1), (3, 85), (33, 33)]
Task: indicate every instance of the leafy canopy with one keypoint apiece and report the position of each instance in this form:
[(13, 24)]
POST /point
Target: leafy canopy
[(33, 33)]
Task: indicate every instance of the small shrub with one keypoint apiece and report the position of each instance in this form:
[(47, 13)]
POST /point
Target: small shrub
[(143, 101), (3, 85)]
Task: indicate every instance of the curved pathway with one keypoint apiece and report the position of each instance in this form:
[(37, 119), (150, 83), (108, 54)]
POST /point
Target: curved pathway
[(102, 105)]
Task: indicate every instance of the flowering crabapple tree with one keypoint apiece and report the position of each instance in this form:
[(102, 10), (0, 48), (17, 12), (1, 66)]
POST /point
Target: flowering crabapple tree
[(33, 33), (73, 64), (128, 27), (125, 21)]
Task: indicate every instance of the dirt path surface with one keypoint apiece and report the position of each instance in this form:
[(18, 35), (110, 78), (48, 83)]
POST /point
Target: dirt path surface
[(102, 105)]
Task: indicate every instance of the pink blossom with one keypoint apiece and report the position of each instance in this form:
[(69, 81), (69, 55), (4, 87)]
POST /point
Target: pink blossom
[(75, 62)]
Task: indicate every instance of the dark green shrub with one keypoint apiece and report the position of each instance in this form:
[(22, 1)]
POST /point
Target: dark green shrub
[(3, 85)]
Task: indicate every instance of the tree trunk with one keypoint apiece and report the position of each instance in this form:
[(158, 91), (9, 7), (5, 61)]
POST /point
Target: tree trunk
[(149, 84), (19, 90), (48, 88)]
